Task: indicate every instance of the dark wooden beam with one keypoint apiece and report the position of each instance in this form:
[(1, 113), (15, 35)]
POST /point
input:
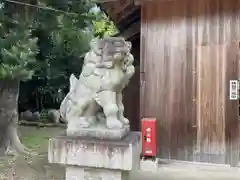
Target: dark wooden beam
[(129, 20), (120, 6), (122, 13), (135, 37), (103, 9), (126, 12), (136, 2), (131, 30)]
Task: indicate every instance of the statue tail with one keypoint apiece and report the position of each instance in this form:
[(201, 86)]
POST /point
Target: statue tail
[(63, 109)]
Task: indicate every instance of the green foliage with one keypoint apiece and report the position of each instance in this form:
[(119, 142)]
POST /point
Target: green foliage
[(69, 40), (63, 26), (17, 55), (103, 26), (46, 45), (18, 47), (44, 116), (69, 43)]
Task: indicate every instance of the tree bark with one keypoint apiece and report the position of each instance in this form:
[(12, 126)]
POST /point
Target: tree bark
[(9, 139)]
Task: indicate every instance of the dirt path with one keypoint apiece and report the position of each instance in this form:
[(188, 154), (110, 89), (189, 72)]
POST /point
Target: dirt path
[(32, 167)]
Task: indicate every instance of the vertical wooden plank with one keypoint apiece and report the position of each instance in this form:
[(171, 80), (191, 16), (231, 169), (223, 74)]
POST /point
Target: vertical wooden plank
[(231, 111), (143, 59), (211, 103), (238, 120), (237, 155)]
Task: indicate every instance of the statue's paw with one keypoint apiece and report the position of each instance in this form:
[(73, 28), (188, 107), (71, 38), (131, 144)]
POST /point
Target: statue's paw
[(130, 71), (114, 124), (84, 124), (125, 121)]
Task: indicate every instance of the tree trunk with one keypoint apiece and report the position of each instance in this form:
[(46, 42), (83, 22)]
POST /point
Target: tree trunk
[(9, 139)]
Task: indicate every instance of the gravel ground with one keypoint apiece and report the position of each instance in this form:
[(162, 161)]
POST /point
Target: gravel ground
[(32, 167)]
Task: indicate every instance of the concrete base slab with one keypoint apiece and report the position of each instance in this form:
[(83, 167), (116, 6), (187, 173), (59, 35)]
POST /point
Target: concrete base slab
[(173, 169), (149, 165), (78, 173), (169, 174)]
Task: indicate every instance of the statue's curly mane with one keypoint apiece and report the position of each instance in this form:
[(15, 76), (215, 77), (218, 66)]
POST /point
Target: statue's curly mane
[(110, 46)]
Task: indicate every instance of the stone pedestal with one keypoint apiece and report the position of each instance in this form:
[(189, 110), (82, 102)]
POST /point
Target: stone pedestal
[(90, 159)]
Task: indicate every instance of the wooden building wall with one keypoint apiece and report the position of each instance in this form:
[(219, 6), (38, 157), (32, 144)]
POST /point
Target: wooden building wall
[(189, 53)]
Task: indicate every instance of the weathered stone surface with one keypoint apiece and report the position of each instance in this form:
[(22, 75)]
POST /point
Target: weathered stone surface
[(26, 115), (54, 115), (99, 132), (95, 98), (87, 152), (36, 116), (78, 173)]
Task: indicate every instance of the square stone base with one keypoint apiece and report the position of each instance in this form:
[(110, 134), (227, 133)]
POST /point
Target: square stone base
[(79, 173), (88, 152)]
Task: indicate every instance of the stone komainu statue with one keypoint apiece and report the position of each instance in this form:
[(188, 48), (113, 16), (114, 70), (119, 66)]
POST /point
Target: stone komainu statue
[(107, 69)]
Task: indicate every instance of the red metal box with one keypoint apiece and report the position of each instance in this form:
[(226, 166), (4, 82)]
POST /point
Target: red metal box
[(148, 132)]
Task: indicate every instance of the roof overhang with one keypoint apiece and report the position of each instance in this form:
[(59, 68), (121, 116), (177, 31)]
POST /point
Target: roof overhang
[(136, 2), (124, 13)]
